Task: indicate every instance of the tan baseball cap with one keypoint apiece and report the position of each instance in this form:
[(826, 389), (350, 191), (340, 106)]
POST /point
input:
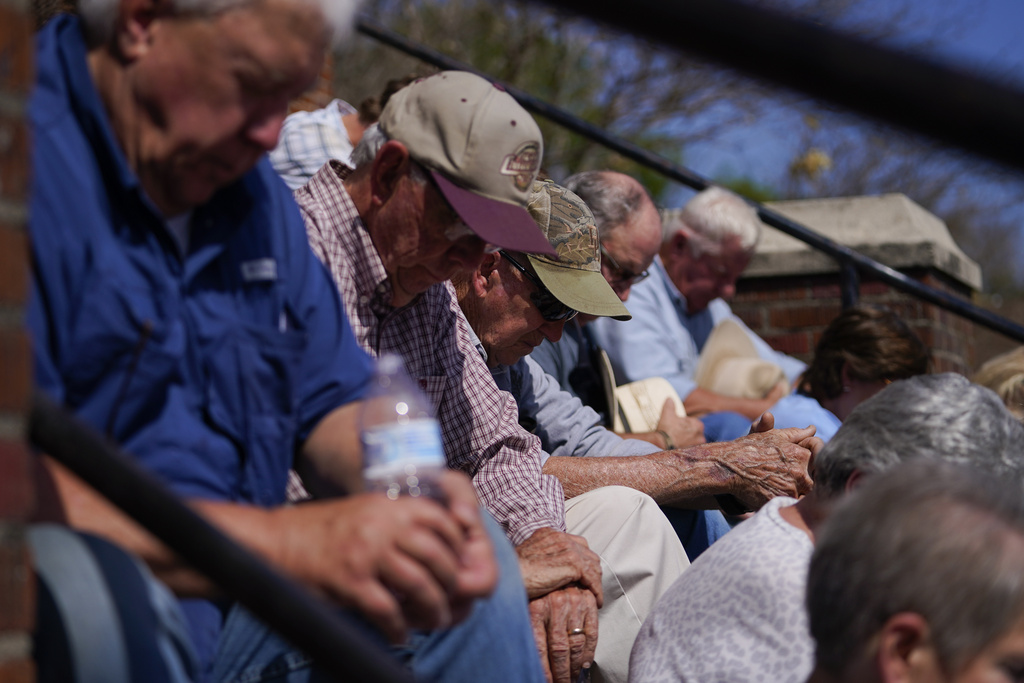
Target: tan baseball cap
[(481, 147), (574, 275)]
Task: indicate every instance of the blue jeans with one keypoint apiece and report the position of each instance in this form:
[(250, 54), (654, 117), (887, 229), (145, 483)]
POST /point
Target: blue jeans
[(101, 616), (697, 529), (494, 641), (725, 426)]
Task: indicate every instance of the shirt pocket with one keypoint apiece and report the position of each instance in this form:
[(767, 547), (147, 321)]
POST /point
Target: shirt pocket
[(124, 350), (252, 387)]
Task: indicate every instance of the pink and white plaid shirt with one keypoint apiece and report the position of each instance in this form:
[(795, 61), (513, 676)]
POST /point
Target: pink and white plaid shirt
[(479, 422)]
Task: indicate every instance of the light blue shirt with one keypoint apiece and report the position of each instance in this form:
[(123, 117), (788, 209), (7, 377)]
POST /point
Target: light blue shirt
[(309, 139), (664, 340), (797, 410)]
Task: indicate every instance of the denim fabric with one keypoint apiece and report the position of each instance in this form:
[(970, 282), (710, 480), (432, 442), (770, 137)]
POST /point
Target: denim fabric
[(725, 426), (101, 616), (495, 640)]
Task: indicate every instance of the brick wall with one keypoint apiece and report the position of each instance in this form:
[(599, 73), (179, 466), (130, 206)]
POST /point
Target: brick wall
[(790, 313), (16, 500)]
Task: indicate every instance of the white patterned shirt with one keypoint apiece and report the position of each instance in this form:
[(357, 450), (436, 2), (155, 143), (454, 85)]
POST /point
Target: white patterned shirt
[(737, 614), (309, 139)]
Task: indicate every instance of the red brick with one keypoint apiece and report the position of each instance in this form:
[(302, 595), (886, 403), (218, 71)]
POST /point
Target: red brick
[(826, 291), (794, 343), (13, 158), (16, 32), (17, 587), (16, 493), (13, 266), (15, 370), (17, 671), (797, 317), (874, 289), (757, 293), (752, 316)]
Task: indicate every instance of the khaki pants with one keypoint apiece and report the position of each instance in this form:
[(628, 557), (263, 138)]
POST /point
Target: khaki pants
[(641, 556)]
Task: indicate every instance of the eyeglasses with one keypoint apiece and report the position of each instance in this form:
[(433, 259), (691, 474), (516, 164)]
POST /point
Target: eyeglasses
[(551, 309), (620, 274)]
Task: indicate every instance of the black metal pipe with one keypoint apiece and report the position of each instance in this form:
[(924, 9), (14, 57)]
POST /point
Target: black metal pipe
[(839, 252), (339, 649), (956, 107), (849, 285)]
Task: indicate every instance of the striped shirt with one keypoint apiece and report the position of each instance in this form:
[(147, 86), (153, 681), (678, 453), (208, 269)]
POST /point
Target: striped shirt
[(479, 423), (309, 139)]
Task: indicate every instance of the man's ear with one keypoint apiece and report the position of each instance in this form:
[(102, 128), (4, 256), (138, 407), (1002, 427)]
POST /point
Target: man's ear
[(905, 652), (856, 478), (680, 241), (481, 278), (391, 164), (134, 26)]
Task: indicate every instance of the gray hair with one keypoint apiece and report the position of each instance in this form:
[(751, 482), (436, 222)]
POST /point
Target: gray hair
[(366, 151), (939, 540), (712, 217), (99, 16), (613, 198), (941, 416)]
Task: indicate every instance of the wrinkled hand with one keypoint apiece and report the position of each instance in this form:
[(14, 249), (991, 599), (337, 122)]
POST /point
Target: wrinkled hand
[(685, 431), (406, 563), (549, 560), (554, 616), (770, 462)]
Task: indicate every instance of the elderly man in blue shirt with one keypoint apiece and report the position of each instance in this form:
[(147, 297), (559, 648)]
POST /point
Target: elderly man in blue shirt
[(705, 247), (178, 308)]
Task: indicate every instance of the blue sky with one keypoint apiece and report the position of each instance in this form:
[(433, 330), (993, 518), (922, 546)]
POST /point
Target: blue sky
[(995, 41), (983, 36)]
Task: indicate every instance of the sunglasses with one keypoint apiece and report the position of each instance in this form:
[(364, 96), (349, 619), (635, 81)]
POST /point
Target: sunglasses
[(551, 309), (620, 274)]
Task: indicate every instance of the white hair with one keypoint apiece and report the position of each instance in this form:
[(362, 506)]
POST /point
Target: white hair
[(100, 16), (712, 217), (366, 151)]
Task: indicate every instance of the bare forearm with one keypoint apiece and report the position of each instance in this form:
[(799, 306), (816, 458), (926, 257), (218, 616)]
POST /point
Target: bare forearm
[(331, 458), (701, 401), (682, 478), (69, 500)]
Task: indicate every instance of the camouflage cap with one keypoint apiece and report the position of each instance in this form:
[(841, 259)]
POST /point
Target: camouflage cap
[(574, 276)]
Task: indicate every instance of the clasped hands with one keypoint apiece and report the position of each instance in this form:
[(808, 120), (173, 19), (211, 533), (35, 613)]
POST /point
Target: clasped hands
[(563, 583)]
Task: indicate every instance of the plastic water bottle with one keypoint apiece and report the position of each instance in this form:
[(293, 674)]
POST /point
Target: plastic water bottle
[(402, 451)]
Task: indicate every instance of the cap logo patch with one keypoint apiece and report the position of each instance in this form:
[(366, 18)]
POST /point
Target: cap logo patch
[(522, 165)]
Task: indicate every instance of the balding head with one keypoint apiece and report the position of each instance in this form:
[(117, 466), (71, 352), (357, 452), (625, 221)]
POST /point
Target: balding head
[(627, 221)]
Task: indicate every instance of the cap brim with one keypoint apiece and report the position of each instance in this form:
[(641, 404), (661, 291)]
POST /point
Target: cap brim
[(727, 340), (496, 222), (583, 290)]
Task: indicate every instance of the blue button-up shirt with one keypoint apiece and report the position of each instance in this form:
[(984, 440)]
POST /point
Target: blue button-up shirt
[(664, 339), (210, 367)]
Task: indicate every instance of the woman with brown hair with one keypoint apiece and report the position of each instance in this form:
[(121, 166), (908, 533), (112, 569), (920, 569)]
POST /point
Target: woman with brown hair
[(861, 351)]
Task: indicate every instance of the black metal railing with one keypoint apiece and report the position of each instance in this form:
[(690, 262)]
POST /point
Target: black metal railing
[(852, 264), (336, 647)]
